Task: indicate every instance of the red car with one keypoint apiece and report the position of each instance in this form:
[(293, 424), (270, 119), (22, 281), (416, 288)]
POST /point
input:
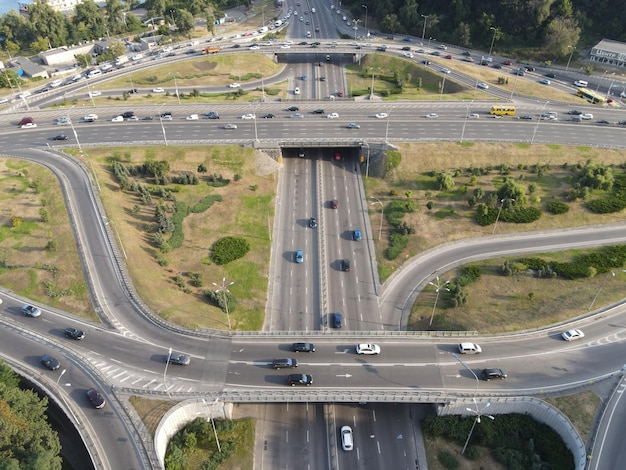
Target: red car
[(507, 62), (340, 94), (448, 56), (337, 156)]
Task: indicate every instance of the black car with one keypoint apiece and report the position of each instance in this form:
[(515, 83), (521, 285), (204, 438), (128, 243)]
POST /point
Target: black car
[(293, 108), (426, 62), (406, 48), (526, 117), (497, 66), (95, 398), (603, 121), (268, 116), (60, 137), (303, 347), (288, 363), (147, 118), (313, 222), (551, 75), (74, 333), (530, 69), (322, 79), (302, 43), (489, 374), (318, 111), (128, 114), (299, 379), (179, 359), (467, 53), (575, 112), (345, 265), (212, 115), (621, 123), (133, 91), (50, 362)]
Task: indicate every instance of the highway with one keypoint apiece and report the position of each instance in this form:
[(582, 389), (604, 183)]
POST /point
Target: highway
[(126, 354)]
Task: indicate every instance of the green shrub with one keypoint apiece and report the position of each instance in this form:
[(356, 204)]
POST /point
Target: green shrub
[(448, 460), (397, 243), (557, 207), (228, 249), (205, 203), (392, 160)]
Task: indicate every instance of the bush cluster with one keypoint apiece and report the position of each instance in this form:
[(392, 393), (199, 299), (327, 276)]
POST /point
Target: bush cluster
[(229, 249), (557, 207), (217, 181), (398, 238), (520, 215)]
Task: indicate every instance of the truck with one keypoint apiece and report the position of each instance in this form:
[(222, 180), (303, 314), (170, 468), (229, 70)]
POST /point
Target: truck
[(121, 60), (210, 50)]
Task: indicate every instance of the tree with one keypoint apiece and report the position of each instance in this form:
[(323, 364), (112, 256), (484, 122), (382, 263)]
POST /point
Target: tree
[(445, 181), (10, 79), (84, 60), (87, 22), (409, 14), (157, 169), (560, 34), (510, 191), (184, 21), (390, 23), (48, 23), (114, 16)]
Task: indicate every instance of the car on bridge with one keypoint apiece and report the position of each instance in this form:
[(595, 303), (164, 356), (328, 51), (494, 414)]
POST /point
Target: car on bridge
[(299, 256), (353, 125), (50, 362), (74, 333), (31, 311), (488, 374), (367, 349), (95, 398), (287, 363), (303, 347), (179, 359), (299, 379)]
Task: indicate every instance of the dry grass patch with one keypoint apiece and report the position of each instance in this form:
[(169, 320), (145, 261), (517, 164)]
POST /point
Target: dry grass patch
[(38, 253), (580, 409), (151, 412), (247, 206)]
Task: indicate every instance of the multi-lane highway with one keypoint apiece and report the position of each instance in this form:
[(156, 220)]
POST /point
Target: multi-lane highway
[(126, 355)]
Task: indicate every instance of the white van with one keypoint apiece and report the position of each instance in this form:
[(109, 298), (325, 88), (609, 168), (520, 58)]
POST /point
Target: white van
[(581, 83), (94, 73)]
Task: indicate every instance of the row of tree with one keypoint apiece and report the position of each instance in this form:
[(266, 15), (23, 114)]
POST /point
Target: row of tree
[(45, 28), (550, 28)]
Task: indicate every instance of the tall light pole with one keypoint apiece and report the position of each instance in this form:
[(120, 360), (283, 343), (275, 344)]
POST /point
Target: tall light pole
[(224, 289), (61, 375), (465, 122), (573, 48), (438, 288), (380, 230), (479, 413), (366, 32), (176, 86), (355, 21), (256, 133), (430, 39), (532, 140), (167, 363), (424, 28), (499, 211), (387, 126), (493, 39), (600, 289), (162, 125), (219, 447), (443, 83)]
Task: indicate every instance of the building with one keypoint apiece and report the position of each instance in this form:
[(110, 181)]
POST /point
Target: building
[(609, 52), (30, 68)]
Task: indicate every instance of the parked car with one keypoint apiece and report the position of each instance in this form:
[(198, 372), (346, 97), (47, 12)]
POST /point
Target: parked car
[(50, 362), (288, 363), (31, 311), (299, 379), (74, 333), (179, 359), (488, 374), (572, 335), (303, 347), (367, 349), (95, 398)]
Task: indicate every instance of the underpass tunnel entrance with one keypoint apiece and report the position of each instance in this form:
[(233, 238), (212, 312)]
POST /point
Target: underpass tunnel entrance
[(338, 154)]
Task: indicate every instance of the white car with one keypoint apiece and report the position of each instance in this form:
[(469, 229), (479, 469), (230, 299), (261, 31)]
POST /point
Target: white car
[(29, 125), (367, 349), (158, 90), (473, 116), (333, 116), (118, 119), (408, 55), (347, 442), (446, 70), (482, 86), (254, 47), (192, 117), (285, 46), (572, 335), (248, 116), (24, 94), (234, 85), (93, 94), (432, 116), (586, 116), (91, 117), (382, 115), (296, 91)]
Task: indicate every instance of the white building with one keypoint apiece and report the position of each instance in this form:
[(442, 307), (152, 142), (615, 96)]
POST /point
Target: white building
[(609, 53)]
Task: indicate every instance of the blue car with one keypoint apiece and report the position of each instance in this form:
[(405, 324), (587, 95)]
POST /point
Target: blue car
[(337, 320), (299, 256), (304, 77), (356, 235)]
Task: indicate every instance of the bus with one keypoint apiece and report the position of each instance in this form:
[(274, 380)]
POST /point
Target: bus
[(591, 96), (502, 110), (210, 50)]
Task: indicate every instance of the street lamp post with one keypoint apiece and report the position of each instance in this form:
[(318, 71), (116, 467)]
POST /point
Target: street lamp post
[(256, 133), (176, 86), (479, 413), (438, 288), (380, 230), (224, 289), (493, 39), (167, 363), (430, 39), (600, 289), (532, 140), (355, 21), (573, 48), (387, 126), (366, 32), (499, 211), (465, 122), (424, 28), (61, 375), (219, 447), (443, 83), (162, 125)]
